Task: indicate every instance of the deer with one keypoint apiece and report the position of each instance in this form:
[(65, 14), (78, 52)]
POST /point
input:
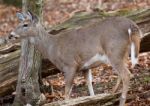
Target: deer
[(109, 41)]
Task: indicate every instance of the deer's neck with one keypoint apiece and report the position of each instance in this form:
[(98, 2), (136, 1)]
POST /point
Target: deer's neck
[(43, 42)]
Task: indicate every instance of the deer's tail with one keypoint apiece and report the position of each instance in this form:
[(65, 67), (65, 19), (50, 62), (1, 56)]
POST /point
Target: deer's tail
[(135, 35)]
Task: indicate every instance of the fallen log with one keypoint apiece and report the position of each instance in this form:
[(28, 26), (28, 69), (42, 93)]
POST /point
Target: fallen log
[(9, 76), (83, 18), (10, 47), (9, 71), (98, 100), (9, 54), (145, 43)]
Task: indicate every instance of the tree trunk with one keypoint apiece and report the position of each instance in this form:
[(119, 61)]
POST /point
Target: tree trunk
[(28, 90)]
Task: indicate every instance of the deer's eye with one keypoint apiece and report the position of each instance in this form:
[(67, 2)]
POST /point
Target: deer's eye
[(25, 25)]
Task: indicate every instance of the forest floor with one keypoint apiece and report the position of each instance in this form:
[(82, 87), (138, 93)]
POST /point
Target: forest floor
[(104, 78)]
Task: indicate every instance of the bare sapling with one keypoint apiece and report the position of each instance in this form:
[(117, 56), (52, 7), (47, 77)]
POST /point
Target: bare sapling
[(110, 41)]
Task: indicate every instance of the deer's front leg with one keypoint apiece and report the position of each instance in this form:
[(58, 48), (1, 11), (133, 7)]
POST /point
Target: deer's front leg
[(69, 77)]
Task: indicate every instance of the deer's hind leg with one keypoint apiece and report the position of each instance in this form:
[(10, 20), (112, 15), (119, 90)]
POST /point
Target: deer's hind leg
[(117, 61), (117, 85), (125, 57), (125, 77)]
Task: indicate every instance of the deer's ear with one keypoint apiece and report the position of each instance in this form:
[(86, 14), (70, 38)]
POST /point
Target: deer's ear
[(20, 16), (32, 16)]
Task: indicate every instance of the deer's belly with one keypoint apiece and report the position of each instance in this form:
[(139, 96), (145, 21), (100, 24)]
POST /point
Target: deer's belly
[(96, 60)]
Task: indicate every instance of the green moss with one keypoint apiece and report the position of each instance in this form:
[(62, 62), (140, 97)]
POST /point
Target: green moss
[(147, 79)]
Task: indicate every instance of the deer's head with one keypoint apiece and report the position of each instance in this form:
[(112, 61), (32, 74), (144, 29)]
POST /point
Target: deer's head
[(27, 26)]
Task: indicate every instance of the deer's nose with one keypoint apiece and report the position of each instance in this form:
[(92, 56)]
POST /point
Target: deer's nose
[(10, 36), (13, 35)]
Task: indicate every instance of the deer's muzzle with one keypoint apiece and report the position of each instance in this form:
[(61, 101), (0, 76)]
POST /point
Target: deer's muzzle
[(13, 35)]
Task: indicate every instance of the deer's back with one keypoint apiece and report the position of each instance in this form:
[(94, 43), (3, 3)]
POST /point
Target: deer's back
[(111, 29)]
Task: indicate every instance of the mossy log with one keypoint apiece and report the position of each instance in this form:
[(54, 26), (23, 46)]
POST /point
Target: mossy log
[(98, 100), (80, 19), (10, 53)]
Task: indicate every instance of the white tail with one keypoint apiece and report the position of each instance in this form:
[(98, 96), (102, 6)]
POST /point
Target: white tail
[(134, 59), (77, 50)]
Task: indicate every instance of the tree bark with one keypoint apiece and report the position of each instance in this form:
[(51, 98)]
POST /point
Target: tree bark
[(28, 90)]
